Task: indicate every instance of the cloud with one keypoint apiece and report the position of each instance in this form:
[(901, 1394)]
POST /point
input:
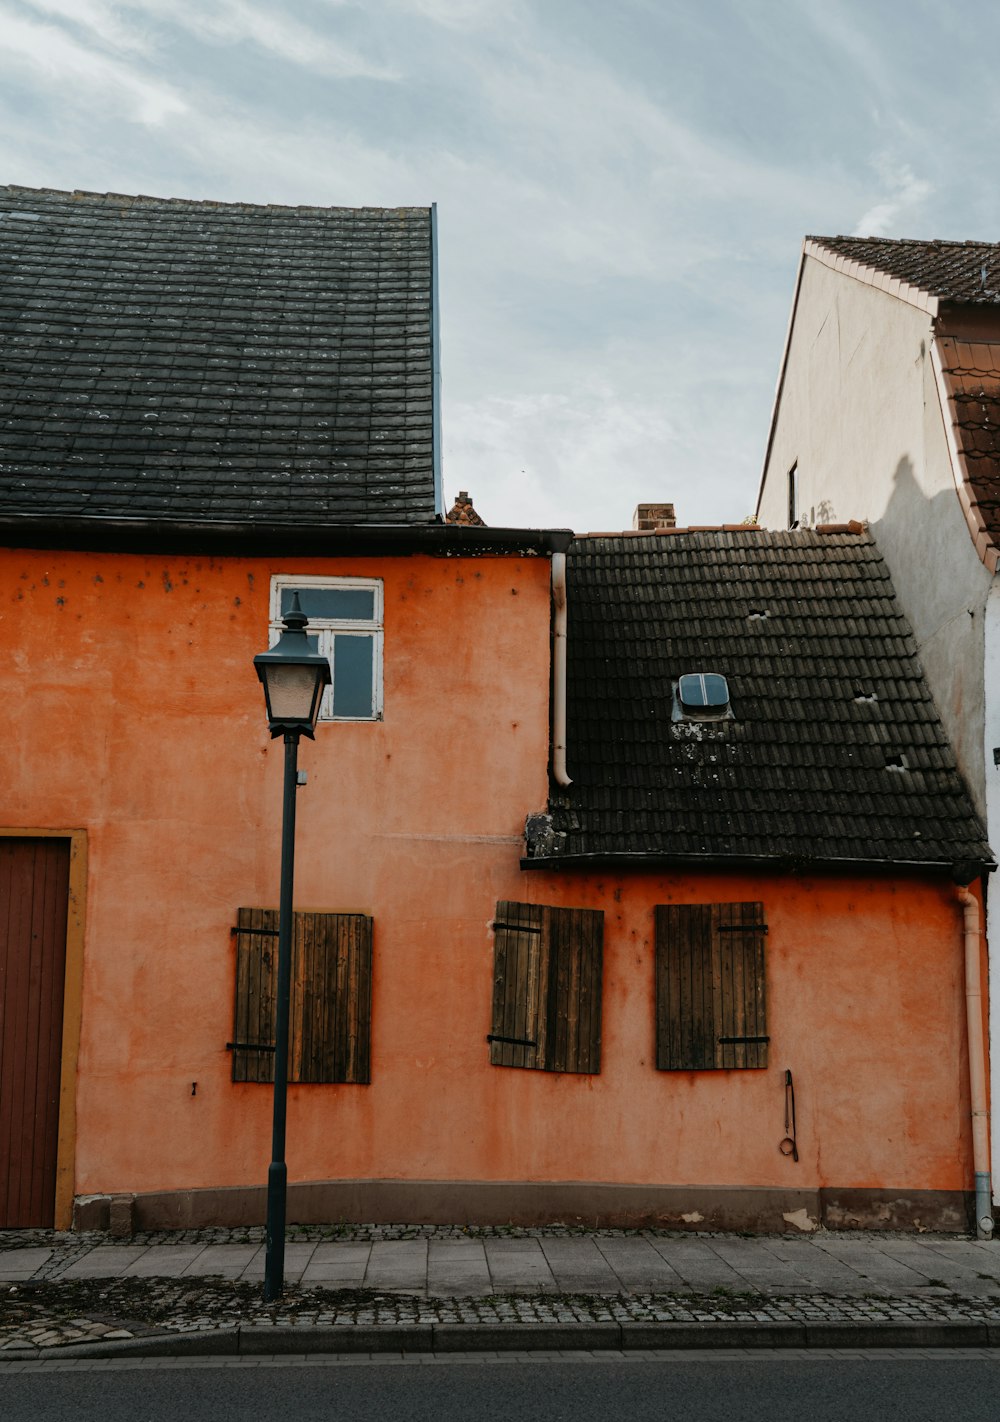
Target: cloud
[(618, 224), (102, 20), (550, 453), (232, 22), (607, 178), (244, 156), (839, 28), (906, 192), (221, 22), (47, 53), (461, 14)]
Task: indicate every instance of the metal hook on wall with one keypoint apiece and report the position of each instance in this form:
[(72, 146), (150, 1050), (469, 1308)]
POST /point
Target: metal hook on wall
[(789, 1145)]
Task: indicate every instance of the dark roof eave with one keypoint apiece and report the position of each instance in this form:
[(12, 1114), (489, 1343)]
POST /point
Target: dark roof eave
[(652, 860), (100, 534)]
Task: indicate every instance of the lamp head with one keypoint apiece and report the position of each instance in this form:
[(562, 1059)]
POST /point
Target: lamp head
[(294, 676)]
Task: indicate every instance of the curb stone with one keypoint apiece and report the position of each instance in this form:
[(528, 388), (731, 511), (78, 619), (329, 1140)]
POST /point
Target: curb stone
[(739, 1334), (477, 1337), (354, 1338), (944, 1334), (215, 1342), (251, 1341)]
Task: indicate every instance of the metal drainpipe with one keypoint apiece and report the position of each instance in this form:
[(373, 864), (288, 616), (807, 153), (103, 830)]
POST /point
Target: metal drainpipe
[(559, 671), (977, 1066)]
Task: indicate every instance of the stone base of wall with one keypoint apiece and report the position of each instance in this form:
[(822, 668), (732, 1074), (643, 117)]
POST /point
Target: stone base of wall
[(519, 1202)]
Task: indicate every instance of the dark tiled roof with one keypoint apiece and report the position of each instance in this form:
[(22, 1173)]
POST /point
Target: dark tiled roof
[(806, 628), (952, 271), (167, 359)]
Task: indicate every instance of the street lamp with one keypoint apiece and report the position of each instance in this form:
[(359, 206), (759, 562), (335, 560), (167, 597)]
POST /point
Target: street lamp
[(294, 675)]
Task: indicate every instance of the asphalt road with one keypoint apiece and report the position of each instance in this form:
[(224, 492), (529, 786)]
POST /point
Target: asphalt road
[(685, 1388)]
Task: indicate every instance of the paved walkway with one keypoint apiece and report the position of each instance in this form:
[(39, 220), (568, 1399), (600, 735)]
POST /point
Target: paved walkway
[(201, 1291), (432, 1264)]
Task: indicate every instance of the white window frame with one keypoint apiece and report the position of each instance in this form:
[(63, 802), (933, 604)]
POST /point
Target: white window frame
[(328, 629)]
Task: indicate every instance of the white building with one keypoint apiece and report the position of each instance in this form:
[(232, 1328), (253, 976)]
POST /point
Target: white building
[(888, 410)]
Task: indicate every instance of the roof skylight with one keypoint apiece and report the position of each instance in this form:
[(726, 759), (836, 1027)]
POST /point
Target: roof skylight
[(701, 696)]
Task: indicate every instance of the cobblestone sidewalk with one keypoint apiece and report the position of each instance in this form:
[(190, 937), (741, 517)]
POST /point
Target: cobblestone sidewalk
[(60, 1292)]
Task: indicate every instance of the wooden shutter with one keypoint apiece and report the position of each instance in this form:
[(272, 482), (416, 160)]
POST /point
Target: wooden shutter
[(256, 989), (711, 1010), (330, 1011), (330, 1029), (547, 969)]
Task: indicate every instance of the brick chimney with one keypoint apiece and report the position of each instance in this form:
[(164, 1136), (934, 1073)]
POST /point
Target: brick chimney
[(463, 512), (652, 518)]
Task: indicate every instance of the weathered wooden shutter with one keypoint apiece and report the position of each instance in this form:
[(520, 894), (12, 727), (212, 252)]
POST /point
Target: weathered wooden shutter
[(711, 1010), (256, 988), (330, 1029), (330, 1014), (547, 969)]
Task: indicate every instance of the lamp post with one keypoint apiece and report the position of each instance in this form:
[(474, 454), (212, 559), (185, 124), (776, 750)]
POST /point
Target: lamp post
[(293, 674)]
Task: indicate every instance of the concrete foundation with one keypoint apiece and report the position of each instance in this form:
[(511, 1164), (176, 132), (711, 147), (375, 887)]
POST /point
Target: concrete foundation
[(527, 1203)]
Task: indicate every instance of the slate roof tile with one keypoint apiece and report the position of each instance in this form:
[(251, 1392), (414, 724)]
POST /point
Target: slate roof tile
[(822, 699), (140, 336)]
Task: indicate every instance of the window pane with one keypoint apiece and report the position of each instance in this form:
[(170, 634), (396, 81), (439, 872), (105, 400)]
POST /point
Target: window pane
[(353, 604), (352, 676), (703, 690)]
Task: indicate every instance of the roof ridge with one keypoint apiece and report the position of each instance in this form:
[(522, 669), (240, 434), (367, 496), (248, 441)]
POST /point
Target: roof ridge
[(903, 241), (924, 272), (853, 525), (668, 532), (18, 190)]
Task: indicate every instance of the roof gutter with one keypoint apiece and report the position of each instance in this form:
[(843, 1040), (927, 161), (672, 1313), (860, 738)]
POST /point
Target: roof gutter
[(559, 772), (96, 534), (977, 1063), (966, 870)]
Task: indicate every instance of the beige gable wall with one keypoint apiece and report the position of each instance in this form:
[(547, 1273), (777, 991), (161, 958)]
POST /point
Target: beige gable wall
[(859, 413)]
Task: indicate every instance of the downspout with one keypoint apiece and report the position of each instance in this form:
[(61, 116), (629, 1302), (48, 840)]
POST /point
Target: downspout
[(559, 774), (977, 1066)]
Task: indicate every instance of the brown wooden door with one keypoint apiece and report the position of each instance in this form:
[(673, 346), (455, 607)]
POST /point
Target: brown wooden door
[(34, 889)]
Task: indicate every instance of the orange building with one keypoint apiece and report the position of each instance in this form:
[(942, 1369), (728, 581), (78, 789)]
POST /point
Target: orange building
[(663, 1031), (627, 876)]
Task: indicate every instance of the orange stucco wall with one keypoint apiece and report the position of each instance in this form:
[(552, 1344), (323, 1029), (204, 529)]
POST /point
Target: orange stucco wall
[(133, 712), (865, 1007)]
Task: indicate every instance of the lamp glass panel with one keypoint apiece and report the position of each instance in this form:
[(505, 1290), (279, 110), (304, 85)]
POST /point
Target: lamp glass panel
[(291, 692)]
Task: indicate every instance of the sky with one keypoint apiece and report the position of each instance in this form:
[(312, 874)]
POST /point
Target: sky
[(622, 185)]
